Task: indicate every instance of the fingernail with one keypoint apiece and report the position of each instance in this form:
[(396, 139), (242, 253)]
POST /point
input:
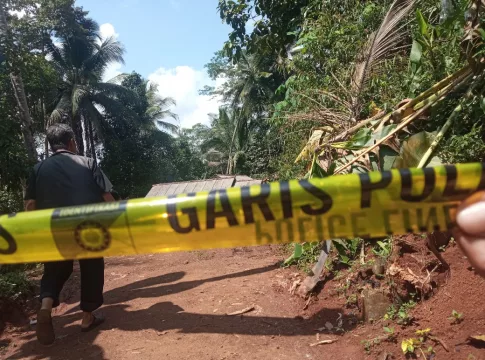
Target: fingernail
[(471, 219)]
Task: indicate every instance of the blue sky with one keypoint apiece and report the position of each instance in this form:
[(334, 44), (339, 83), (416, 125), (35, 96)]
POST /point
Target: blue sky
[(168, 42)]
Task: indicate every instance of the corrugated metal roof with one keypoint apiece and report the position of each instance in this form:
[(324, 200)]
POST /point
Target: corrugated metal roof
[(221, 182)]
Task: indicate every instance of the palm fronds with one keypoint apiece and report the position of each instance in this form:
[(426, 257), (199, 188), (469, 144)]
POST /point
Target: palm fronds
[(108, 52), (158, 109), (380, 46)]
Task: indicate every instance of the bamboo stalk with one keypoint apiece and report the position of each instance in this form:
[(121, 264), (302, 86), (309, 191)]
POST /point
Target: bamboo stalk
[(448, 123), (439, 136), (416, 103), (431, 94), (359, 126), (441, 94)]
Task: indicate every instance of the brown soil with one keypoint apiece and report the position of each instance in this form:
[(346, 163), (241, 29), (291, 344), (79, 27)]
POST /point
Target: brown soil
[(175, 306)]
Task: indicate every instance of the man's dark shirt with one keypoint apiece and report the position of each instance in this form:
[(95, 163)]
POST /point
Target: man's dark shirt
[(66, 179)]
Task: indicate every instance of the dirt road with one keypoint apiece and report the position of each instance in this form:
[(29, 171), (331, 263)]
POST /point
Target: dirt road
[(175, 306)]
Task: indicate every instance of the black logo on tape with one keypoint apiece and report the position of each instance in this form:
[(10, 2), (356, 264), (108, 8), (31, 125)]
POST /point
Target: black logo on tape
[(85, 228), (12, 245), (92, 236)]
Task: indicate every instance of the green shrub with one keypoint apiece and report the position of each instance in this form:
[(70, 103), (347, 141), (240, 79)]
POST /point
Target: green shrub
[(14, 282), (464, 148)]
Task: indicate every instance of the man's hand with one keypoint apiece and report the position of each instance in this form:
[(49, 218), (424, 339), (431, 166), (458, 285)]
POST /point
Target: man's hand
[(108, 197), (470, 234), (29, 205)]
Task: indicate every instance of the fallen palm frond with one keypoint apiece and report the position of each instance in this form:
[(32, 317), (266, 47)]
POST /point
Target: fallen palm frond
[(380, 46), (325, 136), (419, 105), (313, 143), (426, 104), (323, 116)]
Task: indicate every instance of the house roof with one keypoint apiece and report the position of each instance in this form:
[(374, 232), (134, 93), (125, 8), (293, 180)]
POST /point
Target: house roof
[(220, 182)]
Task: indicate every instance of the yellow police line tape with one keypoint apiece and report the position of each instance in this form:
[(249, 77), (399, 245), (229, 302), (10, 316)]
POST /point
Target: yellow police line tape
[(356, 205)]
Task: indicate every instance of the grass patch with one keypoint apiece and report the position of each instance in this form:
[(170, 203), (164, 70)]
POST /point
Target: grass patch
[(304, 255), (14, 282)]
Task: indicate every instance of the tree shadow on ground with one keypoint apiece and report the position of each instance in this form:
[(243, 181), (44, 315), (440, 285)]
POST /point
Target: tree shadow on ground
[(146, 288), (166, 316)]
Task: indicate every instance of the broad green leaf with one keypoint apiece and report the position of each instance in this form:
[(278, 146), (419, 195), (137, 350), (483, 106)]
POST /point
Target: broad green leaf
[(413, 149), (297, 253), (318, 172), (359, 140), (387, 157), (423, 25), (416, 52), (365, 138), (384, 131)]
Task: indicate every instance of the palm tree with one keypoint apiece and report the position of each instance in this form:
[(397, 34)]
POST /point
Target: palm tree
[(251, 85), (152, 109), (158, 109), (84, 98), (227, 139), (19, 91)]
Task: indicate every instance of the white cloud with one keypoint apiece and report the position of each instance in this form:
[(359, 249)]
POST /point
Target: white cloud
[(182, 84), (106, 30), (114, 69)]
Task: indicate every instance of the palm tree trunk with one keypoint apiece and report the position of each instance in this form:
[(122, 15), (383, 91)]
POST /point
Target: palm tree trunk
[(90, 141), (44, 126), (86, 136), (230, 159), (25, 119), (19, 91), (78, 133)]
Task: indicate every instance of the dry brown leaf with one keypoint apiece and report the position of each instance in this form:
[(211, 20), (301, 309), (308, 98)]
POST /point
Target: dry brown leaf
[(323, 342), (422, 283), (243, 311), (478, 339)]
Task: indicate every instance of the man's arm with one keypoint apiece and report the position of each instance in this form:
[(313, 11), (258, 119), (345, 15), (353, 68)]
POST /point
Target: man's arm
[(108, 197), (29, 205), (29, 198), (103, 182)]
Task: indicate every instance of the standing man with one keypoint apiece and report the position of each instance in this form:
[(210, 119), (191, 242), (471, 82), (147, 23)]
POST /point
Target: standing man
[(67, 179)]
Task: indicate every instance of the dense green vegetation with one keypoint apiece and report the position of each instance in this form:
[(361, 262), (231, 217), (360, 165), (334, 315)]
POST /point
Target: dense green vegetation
[(311, 88)]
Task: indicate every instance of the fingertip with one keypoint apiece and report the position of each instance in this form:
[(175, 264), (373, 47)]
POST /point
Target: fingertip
[(470, 216), (473, 248)]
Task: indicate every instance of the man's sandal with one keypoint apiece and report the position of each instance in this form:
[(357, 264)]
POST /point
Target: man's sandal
[(97, 320), (44, 328)]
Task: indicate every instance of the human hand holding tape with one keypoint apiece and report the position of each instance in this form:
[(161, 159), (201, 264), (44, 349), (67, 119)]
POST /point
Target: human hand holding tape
[(470, 231)]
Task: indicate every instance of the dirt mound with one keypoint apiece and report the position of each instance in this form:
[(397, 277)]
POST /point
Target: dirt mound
[(424, 294)]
